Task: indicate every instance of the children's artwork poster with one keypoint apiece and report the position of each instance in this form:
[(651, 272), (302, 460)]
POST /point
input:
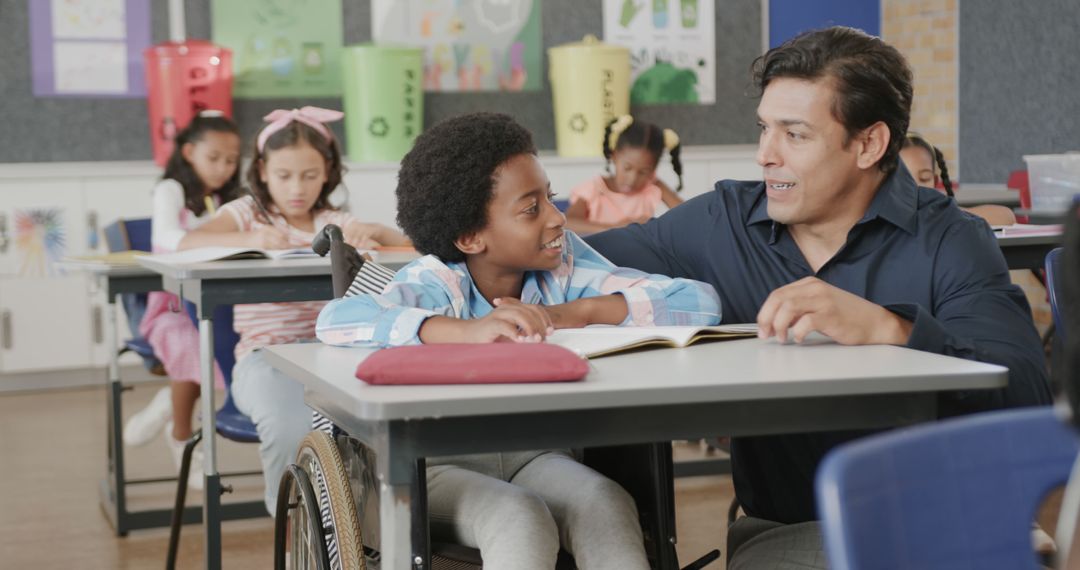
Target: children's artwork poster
[(281, 48), (469, 45), (88, 48), (39, 241), (672, 47)]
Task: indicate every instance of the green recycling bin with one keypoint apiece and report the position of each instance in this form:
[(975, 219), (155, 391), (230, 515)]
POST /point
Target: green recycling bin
[(383, 100), (590, 86)]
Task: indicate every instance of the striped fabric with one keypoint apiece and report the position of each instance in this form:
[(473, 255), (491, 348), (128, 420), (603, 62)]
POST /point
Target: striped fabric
[(264, 324), (371, 279), (429, 287)]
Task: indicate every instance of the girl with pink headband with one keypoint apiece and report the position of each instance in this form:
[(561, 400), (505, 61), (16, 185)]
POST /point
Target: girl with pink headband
[(296, 166)]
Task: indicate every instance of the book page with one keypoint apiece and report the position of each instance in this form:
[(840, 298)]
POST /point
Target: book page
[(213, 253), (597, 340), (299, 252)]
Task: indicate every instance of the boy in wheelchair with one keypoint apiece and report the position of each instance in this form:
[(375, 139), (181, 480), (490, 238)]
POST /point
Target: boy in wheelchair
[(499, 266)]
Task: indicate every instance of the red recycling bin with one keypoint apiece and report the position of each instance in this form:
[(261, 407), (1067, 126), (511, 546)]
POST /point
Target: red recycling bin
[(183, 78)]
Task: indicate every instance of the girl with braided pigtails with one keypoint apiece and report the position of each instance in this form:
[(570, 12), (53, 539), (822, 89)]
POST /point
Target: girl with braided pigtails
[(632, 193), (927, 166)]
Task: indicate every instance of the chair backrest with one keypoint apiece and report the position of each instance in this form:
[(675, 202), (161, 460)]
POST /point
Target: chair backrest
[(1054, 291), (124, 235), (961, 493), (561, 205)]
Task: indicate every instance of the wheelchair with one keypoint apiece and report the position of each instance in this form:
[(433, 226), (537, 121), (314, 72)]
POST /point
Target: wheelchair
[(327, 510)]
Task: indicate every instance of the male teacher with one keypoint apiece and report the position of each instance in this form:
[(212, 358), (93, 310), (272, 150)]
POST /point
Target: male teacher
[(837, 239)]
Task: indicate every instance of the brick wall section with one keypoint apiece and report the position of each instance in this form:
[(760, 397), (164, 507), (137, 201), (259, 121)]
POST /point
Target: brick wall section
[(925, 31)]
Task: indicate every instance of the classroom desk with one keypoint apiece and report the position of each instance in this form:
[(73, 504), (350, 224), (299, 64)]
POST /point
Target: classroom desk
[(1028, 251), (1040, 216), (112, 492), (741, 387), (210, 284)]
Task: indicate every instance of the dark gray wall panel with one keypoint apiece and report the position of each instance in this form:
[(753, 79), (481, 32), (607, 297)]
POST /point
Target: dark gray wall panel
[(1019, 84), (54, 129)]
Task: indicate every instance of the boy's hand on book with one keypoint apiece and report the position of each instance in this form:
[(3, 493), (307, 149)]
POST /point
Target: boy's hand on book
[(810, 304), (269, 237), (572, 315), (511, 320), (602, 310)]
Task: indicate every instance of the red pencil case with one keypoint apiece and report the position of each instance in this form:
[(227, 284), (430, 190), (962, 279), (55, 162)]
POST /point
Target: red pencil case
[(493, 363)]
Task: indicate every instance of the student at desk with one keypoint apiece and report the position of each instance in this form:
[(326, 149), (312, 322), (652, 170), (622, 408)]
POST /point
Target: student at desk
[(202, 173), (837, 240), (296, 166), (927, 166), (499, 266)]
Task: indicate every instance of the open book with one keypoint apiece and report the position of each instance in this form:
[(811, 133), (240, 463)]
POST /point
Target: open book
[(220, 253), (1028, 230), (602, 340)]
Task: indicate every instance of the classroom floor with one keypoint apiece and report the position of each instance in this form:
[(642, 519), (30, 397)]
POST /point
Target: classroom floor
[(53, 449)]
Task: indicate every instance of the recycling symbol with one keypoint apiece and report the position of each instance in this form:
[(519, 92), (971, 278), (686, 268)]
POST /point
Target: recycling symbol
[(378, 127), (578, 123)]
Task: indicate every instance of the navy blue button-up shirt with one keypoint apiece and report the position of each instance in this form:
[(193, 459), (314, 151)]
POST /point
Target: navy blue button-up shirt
[(913, 252)]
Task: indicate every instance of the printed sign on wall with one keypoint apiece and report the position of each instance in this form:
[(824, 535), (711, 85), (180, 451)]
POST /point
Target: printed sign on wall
[(39, 241), (88, 48), (469, 45), (281, 48), (672, 48)]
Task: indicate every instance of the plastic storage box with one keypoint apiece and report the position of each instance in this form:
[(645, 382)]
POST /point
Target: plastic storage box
[(1054, 179)]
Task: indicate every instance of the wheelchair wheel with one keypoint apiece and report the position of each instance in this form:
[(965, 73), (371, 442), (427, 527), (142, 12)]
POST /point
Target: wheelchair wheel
[(320, 458), (299, 536)]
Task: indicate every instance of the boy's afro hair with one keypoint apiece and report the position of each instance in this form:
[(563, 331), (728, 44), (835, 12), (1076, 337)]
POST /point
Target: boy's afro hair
[(445, 182)]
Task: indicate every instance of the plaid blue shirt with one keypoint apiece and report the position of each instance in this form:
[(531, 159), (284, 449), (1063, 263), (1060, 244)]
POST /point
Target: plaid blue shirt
[(429, 287)]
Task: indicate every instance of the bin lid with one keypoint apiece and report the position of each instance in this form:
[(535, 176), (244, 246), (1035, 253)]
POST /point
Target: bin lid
[(185, 48), (385, 48), (591, 44)]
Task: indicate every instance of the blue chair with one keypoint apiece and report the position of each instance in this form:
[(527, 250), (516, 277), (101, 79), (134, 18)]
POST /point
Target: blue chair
[(961, 493), (561, 205), (1053, 290), (127, 235), (230, 423)]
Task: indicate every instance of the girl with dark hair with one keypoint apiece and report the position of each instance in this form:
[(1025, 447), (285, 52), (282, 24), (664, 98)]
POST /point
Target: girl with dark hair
[(295, 168), (927, 166), (201, 174), (633, 192)]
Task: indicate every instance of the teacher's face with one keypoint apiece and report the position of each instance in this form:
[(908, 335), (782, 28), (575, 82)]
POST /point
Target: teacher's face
[(808, 164)]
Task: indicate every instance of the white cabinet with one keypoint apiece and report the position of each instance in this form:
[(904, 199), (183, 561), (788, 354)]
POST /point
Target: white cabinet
[(124, 195), (48, 324)]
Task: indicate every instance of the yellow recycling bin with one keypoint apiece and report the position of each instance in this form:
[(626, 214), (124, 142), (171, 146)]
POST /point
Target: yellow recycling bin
[(590, 86)]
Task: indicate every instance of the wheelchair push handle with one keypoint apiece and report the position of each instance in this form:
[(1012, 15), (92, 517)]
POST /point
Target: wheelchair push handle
[(326, 236)]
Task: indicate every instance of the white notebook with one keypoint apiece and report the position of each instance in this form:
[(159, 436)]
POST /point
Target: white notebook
[(601, 340), (221, 253)]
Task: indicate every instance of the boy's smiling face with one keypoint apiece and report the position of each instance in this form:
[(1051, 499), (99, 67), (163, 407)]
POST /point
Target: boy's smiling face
[(524, 231)]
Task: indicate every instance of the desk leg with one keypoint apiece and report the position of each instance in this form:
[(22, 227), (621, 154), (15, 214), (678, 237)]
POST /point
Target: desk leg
[(212, 488), (114, 494), (397, 495)]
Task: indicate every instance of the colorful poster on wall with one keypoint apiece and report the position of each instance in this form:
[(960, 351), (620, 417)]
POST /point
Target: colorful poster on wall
[(281, 48), (672, 48), (39, 241), (469, 45), (88, 48)]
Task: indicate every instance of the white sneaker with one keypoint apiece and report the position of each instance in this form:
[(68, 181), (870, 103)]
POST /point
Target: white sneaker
[(148, 422), (195, 473)]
